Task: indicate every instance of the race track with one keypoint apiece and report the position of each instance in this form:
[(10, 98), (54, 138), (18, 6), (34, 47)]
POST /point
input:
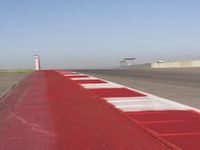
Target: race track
[(180, 85)]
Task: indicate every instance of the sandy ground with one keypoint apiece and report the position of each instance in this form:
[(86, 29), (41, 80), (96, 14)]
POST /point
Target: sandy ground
[(8, 79)]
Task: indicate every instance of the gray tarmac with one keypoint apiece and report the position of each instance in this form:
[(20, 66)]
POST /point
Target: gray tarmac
[(8, 80), (180, 85)]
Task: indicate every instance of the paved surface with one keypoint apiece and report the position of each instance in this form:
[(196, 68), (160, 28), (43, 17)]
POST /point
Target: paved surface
[(180, 85), (8, 79), (173, 122), (49, 111)]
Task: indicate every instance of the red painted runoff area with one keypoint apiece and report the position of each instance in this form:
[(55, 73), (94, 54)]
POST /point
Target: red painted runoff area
[(116, 92), (48, 111), (25, 117)]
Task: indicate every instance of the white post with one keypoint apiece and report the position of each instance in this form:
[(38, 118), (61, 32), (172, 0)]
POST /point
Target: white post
[(37, 62)]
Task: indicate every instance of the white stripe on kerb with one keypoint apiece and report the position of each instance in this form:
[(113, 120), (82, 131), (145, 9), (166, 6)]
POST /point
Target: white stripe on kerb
[(68, 75), (128, 99), (145, 104), (84, 78), (149, 106), (135, 104), (101, 85)]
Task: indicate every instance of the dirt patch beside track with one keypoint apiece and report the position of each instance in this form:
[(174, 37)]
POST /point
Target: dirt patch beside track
[(9, 79)]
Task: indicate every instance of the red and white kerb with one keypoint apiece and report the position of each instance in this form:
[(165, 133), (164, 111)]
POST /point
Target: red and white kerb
[(176, 123)]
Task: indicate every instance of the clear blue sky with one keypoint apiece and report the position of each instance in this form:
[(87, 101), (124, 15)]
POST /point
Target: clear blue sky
[(97, 33)]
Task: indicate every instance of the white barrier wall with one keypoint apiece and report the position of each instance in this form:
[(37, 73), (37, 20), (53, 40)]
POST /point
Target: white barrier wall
[(177, 64)]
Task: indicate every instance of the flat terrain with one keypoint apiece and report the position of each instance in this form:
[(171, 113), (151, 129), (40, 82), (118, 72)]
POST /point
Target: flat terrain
[(180, 85), (48, 111), (8, 79)]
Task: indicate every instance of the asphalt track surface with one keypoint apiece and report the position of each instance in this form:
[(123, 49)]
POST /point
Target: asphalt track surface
[(180, 85), (9, 79)]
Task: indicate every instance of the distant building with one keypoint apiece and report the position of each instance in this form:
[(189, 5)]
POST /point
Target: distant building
[(160, 61), (127, 62)]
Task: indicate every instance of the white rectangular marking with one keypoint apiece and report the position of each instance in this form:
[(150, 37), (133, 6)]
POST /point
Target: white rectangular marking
[(153, 105), (100, 85), (126, 99), (84, 78), (68, 75)]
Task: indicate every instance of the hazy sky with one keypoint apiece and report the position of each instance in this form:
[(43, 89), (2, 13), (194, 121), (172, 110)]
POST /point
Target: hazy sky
[(97, 33)]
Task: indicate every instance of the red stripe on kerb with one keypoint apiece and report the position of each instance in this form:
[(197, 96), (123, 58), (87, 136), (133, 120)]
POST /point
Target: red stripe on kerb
[(179, 127), (175, 127), (186, 142), (168, 115), (88, 81), (116, 92)]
